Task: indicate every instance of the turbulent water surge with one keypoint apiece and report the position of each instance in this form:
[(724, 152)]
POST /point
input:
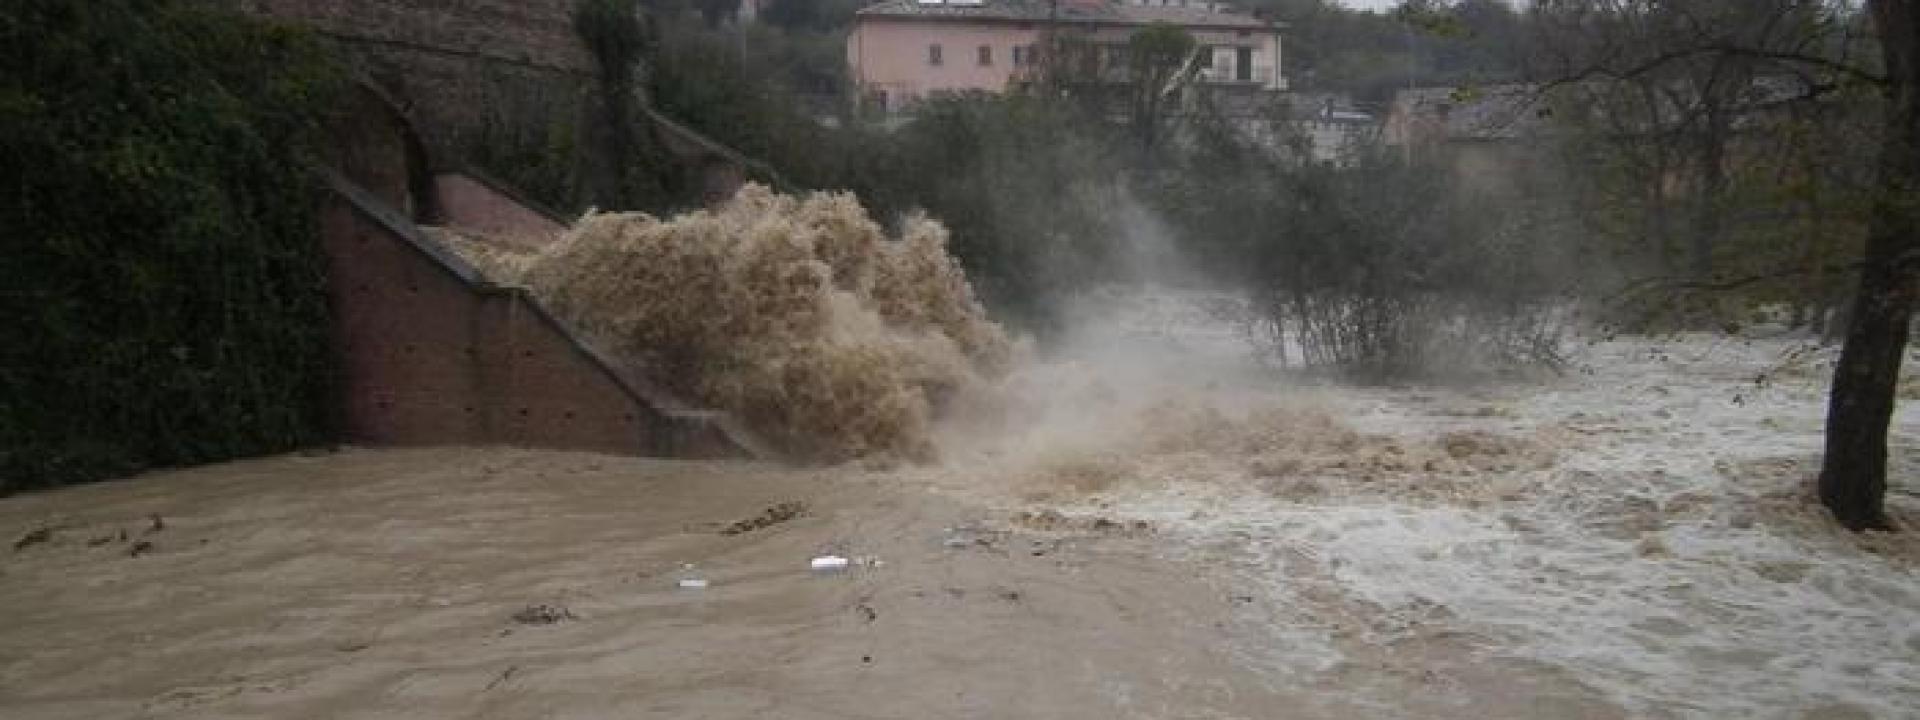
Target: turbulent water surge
[(798, 314), (1642, 528), (1143, 522)]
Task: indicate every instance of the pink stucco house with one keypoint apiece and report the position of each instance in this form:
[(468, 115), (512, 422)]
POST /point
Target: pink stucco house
[(903, 50)]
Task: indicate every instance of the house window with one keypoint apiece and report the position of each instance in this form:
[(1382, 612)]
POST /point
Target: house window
[(933, 54), (1243, 64), (1019, 56), (986, 55)]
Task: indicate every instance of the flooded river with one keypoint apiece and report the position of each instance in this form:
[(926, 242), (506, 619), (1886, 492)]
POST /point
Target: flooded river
[(1159, 532)]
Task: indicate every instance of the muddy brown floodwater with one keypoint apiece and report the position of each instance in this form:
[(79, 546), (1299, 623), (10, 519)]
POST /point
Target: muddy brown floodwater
[(387, 584), (1153, 529)]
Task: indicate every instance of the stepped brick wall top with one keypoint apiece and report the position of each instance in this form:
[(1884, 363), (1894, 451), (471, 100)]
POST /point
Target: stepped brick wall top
[(432, 354)]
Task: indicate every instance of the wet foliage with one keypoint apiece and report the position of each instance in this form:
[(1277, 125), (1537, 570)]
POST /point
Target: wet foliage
[(164, 292)]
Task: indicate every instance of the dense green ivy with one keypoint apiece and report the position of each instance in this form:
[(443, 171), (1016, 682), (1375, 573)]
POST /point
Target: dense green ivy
[(162, 291)]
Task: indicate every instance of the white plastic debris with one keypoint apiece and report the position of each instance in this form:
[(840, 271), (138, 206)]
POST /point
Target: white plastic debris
[(829, 563), (965, 537), (691, 580)]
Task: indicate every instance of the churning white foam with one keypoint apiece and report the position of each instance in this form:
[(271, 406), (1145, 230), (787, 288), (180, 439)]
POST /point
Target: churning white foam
[(1654, 539)]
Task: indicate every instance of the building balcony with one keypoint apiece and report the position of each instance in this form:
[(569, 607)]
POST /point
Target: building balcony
[(1121, 75), (1226, 76)]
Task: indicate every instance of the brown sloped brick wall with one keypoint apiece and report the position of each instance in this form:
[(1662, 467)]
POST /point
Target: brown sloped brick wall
[(433, 355)]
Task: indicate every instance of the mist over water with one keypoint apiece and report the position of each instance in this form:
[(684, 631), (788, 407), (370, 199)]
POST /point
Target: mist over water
[(1641, 527), (1635, 534)]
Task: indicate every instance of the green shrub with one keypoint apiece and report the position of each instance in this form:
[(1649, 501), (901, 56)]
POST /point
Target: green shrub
[(1381, 269), (1031, 189), (163, 291)]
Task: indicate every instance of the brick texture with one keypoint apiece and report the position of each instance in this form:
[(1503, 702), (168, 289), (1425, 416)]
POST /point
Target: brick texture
[(474, 204), (457, 67), (434, 356), (465, 71), (536, 33)]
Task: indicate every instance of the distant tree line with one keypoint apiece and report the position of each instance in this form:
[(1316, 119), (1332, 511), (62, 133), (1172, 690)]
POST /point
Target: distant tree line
[(1030, 183)]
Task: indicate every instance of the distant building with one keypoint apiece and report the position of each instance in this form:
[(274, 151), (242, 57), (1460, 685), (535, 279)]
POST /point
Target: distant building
[(903, 50), (1490, 113), (1200, 4), (1483, 132), (1330, 127)]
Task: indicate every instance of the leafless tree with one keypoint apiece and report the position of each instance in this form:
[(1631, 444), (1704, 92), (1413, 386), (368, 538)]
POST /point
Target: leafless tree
[(1703, 57), (1677, 78)]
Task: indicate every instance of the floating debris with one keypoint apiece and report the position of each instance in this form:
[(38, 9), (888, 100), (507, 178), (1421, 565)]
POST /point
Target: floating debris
[(543, 614), (690, 579), (504, 676), (32, 538), (769, 517)]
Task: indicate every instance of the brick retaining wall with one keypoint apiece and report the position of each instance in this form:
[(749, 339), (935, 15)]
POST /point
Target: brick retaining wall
[(434, 355)]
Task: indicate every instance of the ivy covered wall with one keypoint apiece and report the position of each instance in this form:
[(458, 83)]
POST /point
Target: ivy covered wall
[(162, 293)]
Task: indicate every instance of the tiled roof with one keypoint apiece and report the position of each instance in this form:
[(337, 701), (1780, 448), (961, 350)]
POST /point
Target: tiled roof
[(1019, 10), (1069, 11), (1192, 17)]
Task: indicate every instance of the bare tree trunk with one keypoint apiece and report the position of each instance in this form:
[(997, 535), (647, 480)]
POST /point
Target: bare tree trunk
[(1660, 226), (1812, 294), (1853, 474), (1712, 190), (1807, 305)]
